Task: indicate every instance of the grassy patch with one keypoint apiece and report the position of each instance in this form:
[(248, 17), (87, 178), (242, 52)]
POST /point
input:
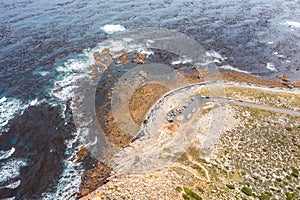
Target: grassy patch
[(259, 114), (230, 186), (178, 189), (191, 194), (270, 97), (200, 190), (265, 196), (247, 191), (199, 169), (290, 196), (185, 197), (295, 173), (279, 179)]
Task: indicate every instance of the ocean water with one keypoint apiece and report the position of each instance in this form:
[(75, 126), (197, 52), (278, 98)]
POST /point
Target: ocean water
[(46, 47)]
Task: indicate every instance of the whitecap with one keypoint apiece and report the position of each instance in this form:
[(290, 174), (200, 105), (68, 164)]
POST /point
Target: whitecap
[(113, 28), (293, 24), (271, 66), (43, 73), (3, 99), (181, 61), (9, 108), (6, 154), (11, 169), (33, 102), (66, 187), (229, 67), (12, 185), (145, 51), (214, 54)]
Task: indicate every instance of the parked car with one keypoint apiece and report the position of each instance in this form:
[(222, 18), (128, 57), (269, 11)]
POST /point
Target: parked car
[(170, 120)]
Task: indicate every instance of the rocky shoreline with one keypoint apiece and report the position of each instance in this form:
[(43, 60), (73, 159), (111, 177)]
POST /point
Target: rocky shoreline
[(98, 173)]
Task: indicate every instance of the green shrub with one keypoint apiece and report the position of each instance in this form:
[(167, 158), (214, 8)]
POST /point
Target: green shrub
[(195, 196), (295, 171), (178, 189), (192, 194), (247, 191), (230, 186), (187, 190), (185, 197), (265, 196), (278, 179), (290, 196), (294, 175), (200, 189), (288, 128), (243, 173)]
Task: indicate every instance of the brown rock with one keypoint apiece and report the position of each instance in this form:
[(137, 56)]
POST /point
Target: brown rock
[(285, 78), (297, 84), (94, 178), (298, 68), (81, 154), (123, 59), (85, 192), (103, 59), (96, 55), (71, 159), (194, 67), (105, 52), (139, 59), (117, 54)]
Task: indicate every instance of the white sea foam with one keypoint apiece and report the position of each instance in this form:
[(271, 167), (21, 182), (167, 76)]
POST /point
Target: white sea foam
[(6, 154), (72, 72), (11, 198), (145, 51), (293, 24), (271, 66), (12, 185), (3, 99), (11, 169), (229, 67), (113, 28), (33, 102), (8, 108), (271, 42), (214, 54), (181, 61), (43, 73), (67, 187)]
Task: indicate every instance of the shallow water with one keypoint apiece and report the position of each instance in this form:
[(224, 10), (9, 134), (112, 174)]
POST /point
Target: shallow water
[(44, 50)]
